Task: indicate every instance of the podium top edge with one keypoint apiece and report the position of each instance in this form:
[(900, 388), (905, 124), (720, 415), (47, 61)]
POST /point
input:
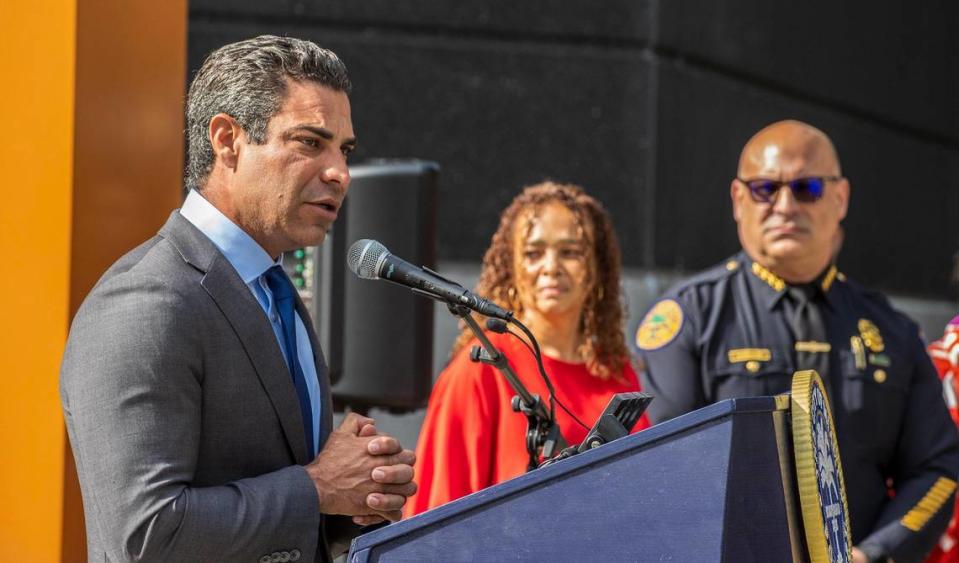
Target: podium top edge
[(706, 415)]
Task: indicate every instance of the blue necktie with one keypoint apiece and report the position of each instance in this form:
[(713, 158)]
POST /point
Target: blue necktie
[(283, 299)]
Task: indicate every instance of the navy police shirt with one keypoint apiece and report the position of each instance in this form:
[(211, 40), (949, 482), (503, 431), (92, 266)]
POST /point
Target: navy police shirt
[(724, 334)]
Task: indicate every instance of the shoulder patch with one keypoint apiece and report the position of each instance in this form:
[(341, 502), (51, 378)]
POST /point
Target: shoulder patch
[(660, 325)]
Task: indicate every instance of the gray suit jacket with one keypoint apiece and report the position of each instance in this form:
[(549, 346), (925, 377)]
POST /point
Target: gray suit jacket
[(183, 417)]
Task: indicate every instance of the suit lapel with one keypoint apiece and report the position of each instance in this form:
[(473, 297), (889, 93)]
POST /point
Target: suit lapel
[(326, 408), (322, 373), (249, 322)]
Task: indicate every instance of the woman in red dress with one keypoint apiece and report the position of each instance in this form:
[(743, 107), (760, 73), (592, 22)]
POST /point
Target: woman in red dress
[(554, 261)]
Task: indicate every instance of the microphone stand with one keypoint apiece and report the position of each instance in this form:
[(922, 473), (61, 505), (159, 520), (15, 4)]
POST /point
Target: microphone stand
[(542, 432)]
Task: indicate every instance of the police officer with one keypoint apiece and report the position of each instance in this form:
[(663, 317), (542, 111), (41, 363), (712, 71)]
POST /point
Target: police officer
[(745, 326)]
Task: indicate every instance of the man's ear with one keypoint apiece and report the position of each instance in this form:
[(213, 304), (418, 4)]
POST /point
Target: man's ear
[(225, 134), (842, 197), (735, 193)]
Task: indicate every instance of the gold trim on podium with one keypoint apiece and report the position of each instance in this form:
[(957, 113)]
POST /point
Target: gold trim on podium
[(805, 453)]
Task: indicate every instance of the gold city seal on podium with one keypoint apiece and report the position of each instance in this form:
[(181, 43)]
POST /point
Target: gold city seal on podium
[(822, 491)]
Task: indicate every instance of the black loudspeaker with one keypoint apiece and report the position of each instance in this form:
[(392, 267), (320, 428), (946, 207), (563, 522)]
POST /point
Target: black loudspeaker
[(377, 336)]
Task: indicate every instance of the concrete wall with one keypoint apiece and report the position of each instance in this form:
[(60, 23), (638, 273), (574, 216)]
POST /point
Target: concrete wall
[(647, 104)]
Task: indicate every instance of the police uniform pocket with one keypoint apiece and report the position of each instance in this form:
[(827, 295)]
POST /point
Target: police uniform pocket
[(868, 386), (874, 399), (749, 372)]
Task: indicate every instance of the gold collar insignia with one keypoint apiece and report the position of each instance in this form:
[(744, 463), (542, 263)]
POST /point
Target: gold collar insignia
[(830, 277), (771, 279)]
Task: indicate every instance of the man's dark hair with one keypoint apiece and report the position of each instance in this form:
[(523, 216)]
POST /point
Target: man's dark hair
[(248, 81)]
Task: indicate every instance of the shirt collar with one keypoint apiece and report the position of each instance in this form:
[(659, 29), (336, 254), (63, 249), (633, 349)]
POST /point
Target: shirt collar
[(766, 284), (247, 257), (828, 281), (774, 287)]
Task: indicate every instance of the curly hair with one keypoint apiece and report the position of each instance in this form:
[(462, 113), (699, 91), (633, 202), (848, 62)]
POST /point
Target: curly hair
[(601, 323)]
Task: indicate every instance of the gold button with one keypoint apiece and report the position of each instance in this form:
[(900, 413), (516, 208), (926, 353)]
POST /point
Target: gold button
[(879, 375), (732, 265), (752, 366)]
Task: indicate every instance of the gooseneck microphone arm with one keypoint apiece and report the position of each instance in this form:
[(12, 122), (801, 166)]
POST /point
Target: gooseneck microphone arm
[(542, 432), (370, 260)]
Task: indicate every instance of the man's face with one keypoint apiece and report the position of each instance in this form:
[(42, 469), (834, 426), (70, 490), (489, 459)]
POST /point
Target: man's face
[(786, 231), (287, 191)]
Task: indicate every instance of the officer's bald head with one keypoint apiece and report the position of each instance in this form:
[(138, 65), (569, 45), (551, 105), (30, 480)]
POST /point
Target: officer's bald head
[(788, 146), (788, 232)]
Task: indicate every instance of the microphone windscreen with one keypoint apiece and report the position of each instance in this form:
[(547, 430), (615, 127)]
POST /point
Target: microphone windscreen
[(363, 256)]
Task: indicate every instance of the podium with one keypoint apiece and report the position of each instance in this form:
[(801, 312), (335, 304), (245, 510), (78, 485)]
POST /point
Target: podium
[(717, 484)]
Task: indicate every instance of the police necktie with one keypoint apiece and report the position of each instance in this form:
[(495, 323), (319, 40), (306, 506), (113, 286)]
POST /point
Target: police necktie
[(812, 345), (282, 291)]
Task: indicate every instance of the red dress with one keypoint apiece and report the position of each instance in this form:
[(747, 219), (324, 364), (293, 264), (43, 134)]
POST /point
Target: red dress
[(471, 438), (945, 356)]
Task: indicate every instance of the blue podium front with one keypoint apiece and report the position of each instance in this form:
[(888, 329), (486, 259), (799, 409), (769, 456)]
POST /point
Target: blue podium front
[(716, 484)]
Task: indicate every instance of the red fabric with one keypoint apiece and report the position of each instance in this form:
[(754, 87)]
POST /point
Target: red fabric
[(945, 356), (471, 438)]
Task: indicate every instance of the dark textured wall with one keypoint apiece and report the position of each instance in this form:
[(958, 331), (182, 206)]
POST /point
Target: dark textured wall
[(647, 104)]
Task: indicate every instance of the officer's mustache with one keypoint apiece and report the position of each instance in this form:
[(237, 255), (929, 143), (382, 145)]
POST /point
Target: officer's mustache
[(778, 222)]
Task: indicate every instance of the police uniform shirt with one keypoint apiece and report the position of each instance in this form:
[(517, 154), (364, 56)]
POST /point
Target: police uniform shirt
[(726, 333)]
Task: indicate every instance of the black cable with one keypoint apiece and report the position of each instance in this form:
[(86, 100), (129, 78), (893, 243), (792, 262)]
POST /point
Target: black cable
[(538, 354), (499, 326), (523, 340)]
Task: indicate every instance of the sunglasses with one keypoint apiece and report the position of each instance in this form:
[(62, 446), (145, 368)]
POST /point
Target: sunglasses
[(805, 190)]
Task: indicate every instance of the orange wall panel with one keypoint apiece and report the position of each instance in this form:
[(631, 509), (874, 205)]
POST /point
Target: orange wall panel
[(36, 155), (91, 97), (130, 87)]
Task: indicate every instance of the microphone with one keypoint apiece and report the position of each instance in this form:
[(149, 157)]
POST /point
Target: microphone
[(371, 260)]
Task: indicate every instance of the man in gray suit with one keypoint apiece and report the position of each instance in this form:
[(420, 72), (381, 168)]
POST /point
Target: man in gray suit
[(195, 393)]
